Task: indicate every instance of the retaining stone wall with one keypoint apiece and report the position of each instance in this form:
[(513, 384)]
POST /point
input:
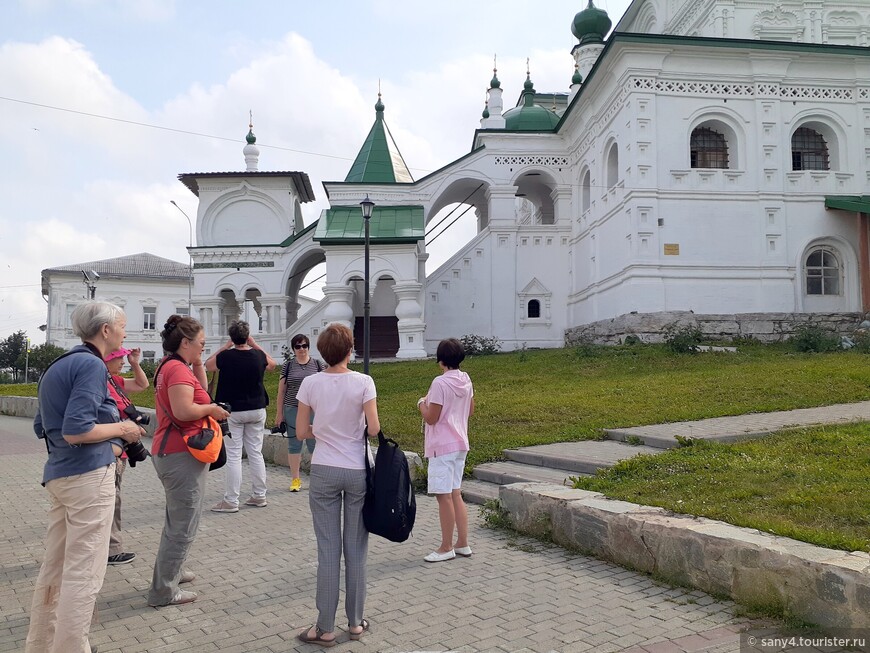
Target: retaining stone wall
[(764, 327), (821, 586), (274, 446)]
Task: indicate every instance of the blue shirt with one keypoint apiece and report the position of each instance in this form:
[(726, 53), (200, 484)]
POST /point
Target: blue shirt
[(73, 398)]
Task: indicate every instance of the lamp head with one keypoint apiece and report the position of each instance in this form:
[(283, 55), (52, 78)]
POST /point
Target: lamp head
[(367, 205)]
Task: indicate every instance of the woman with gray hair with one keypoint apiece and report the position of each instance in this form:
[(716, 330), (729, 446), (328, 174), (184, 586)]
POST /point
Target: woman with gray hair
[(83, 434)]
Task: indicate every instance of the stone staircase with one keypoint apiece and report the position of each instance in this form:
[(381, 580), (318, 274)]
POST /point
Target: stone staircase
[(550, 463), (555, 463)]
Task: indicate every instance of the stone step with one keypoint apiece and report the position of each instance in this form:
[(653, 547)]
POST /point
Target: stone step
[(586, 457), (657, 441), (478, 492), (503, 473)]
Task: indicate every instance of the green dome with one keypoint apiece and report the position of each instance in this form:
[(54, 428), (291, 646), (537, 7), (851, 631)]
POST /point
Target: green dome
[(533, 118), (576, 78), (591, 25), (250, 137), (529, 117)]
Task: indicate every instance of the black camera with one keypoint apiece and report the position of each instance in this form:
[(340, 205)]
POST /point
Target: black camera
[(137, 415), (225, 426), (279, 428), (136, 452)]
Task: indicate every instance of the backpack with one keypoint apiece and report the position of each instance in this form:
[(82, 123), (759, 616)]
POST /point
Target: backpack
[(390, 505)]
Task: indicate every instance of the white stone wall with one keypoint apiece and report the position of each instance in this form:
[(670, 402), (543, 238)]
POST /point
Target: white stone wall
[(840, 22)]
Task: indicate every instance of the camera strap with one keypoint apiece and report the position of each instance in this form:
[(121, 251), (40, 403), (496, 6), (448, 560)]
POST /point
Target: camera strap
[(120, 391)]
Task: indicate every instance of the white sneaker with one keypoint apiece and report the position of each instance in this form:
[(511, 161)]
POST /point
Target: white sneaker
[(440, 557), (225, 506)]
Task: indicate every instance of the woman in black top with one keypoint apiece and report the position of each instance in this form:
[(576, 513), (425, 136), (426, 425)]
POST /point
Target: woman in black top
[(242, 364)]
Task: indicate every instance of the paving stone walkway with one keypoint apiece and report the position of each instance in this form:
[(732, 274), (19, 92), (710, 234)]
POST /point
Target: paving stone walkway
[(256, 580)]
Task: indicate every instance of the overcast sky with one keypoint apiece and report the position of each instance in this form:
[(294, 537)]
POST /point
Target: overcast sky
[(104, 102)]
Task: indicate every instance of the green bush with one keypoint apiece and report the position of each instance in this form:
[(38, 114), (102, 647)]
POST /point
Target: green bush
[(862, 341), (480, 345), (682, 339), (149, 367), (814, 338)]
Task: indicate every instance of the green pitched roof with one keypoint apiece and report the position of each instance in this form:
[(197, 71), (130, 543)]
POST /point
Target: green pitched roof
[(379, 159), (856, 203), (343, 225)]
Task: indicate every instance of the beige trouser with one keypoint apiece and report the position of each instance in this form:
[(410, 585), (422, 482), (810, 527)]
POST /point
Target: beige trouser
[(76, 549)]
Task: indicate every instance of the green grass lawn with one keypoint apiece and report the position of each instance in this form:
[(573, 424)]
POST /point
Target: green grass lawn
[(538, 397)]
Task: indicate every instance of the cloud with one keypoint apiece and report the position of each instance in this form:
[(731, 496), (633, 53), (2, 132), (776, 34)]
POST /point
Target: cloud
[(79, 188)]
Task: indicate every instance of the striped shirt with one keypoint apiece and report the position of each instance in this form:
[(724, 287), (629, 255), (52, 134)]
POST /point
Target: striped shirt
[(293, 373)]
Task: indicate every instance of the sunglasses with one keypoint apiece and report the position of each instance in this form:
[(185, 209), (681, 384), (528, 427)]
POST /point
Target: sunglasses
[(300, 346)]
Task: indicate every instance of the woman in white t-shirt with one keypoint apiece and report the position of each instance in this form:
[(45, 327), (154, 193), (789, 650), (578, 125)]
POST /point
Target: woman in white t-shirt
[(343, 403)]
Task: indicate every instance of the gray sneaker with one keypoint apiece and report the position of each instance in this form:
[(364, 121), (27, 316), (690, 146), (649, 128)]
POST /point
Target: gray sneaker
[(257, 502), (181, 597), (225, 506)]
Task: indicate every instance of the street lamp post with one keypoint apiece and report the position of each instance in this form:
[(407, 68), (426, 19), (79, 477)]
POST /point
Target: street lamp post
[(189, 258), (367, 205), (26, 358)]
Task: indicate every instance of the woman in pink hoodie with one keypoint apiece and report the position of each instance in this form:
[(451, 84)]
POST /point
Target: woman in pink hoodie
[(446, 409)]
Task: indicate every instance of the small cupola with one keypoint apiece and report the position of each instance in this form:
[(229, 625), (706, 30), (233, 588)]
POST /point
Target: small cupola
[(591, 25)]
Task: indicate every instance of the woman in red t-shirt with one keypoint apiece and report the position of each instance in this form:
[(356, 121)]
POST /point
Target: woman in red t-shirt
[(181, 402)]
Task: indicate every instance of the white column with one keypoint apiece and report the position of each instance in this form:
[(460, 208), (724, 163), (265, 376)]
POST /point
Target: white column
[(561, 197), (409, 310), (340, 307)]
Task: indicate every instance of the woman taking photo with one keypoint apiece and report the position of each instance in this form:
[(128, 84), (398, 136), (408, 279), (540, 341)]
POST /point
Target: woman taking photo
[(181, 402), (83, 434), (343, 403), (295, 369)]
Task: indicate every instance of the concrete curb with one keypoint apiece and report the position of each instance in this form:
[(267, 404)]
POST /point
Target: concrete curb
[(822, 586)]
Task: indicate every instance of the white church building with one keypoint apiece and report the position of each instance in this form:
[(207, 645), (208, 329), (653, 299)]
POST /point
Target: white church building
[(709, 159)]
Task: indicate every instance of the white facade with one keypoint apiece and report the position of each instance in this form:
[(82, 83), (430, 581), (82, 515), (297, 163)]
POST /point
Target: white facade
[(690, 172), (147, 287)]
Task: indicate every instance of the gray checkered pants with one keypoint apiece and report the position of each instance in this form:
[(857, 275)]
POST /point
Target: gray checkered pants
[(329, 488)]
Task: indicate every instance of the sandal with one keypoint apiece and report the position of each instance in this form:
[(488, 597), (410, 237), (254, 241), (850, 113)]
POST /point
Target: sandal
[(317, 639), (365, 628)]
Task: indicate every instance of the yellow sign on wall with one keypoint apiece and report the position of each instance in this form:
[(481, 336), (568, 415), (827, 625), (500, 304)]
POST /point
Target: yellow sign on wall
[(672, 249)]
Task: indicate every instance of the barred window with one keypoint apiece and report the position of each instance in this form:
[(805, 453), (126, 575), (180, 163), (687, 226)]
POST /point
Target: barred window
[(809, 151), (534, 309), (708, 149), (822, 272)]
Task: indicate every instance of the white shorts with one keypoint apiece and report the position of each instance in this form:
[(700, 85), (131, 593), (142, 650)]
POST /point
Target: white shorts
[(445, 472)]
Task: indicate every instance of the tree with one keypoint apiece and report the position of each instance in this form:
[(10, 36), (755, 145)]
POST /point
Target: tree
[(11, 349), (41, 357)]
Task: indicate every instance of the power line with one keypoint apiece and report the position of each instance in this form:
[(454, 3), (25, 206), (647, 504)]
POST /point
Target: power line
[(175, 130), (231, 140)]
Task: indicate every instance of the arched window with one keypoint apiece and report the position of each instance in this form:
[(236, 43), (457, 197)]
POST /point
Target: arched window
[(613, 166), (822, 269), (534, 308), (809, 151), (708, 149), (585, 192)]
